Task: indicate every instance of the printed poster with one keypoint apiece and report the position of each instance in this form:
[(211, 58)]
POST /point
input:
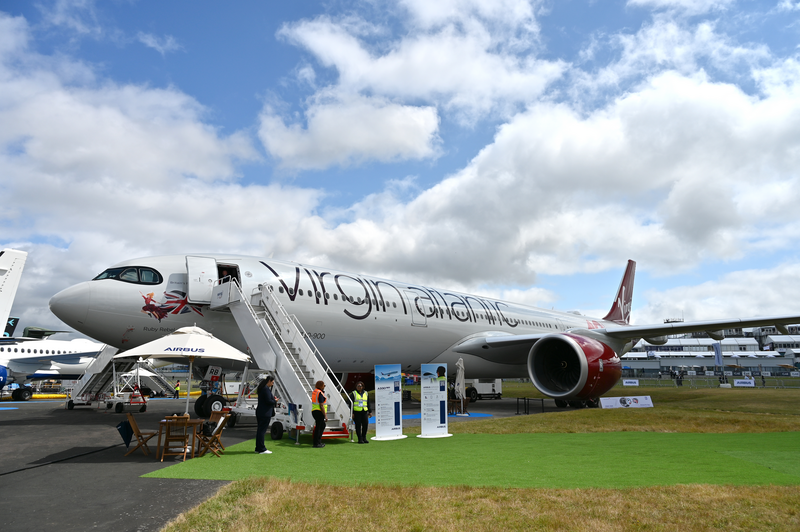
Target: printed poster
[(643, 401), (433, 388), (388, 402)]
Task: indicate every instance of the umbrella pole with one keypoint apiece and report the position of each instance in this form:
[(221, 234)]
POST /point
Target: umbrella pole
[(189, 384)]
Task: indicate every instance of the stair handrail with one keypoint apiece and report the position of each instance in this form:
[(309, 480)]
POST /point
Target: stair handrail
[(284, 348), (292, 318)]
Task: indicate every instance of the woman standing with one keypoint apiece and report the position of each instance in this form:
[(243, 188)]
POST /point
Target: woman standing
[(319, 409), (264, 412)]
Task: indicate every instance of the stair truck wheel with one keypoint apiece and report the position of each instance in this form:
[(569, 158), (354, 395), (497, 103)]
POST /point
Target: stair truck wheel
[(143, 409), (276, 431), (15, 395), (232, 420), (118, 408), (214, 403), (472, 393), (560, 403), (70, 404), (109, 405), (25, 394), (198, 406)]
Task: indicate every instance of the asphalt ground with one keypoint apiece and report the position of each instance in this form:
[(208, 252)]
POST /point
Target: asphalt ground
[(66, 469)]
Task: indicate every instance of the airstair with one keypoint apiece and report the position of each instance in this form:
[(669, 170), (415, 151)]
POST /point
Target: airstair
[(279, 345), (98, 378)]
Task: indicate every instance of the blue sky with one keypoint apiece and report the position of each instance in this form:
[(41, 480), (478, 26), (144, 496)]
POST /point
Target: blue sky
[(522, 149)]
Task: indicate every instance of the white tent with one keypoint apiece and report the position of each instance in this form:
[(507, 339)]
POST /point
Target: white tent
[(187, 342)]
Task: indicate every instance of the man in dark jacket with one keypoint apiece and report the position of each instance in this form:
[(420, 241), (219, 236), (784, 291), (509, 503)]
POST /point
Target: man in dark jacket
[(264, 412)]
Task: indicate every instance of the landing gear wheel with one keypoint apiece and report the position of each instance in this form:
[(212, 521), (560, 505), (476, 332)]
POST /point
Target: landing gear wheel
[(232, 420), (472, 393), (118, 408), (593, 403), (560, 403), (70, 404), (198, 406), (143, 409), (577, 404), (276, 431), (25, 394), (214, 403), (15, 395)]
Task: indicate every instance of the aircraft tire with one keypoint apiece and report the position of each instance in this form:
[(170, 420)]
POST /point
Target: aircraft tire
[(198, 406), (118, 408), (70, 405), (577, 404), (214, 403), (25, 394), (15, 395), (276, 431), (560, 403), (593, 403), (472, 393)]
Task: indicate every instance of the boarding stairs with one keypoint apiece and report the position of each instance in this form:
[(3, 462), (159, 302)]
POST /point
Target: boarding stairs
[(157, 378), (98, 378), (279, 345)]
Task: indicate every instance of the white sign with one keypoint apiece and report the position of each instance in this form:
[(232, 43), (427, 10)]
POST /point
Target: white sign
[(766, 374), (388, 399), (642, 401), (213, 373), (630, 382), (746, 383), (433, 387), (794, 373)]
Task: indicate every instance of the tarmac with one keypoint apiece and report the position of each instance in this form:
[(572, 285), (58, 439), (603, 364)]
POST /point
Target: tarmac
[(66, 469)]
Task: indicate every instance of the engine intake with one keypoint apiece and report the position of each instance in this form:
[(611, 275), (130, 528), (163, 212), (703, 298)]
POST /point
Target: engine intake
[(569, 366)]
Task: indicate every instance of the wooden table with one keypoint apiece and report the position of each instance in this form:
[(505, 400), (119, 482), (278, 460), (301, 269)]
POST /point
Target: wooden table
[(192, 424)]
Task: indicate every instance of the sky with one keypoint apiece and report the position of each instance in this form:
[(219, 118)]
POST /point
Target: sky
[(516, 149)]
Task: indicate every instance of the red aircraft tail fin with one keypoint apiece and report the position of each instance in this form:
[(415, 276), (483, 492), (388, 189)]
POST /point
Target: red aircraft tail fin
[(621, 309)]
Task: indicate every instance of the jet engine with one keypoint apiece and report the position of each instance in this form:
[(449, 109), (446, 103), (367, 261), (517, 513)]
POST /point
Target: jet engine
[(569, 366)]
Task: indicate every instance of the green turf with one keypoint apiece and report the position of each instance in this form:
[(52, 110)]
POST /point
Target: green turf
[(603, 460)]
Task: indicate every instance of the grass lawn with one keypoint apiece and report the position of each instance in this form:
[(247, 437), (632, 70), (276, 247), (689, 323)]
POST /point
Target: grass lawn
[(701, 459)]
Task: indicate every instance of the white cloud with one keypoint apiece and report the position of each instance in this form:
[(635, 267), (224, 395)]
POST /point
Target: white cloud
[(77, 16), (350, 131), (162, 45), (748, 293), (689, 7)]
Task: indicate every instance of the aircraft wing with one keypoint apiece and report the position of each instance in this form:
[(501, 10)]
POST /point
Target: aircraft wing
[(505, 349), (514, 348), (665, 329)]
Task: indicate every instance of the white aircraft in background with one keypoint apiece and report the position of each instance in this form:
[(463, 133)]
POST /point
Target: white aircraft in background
[(358, 321), (24, 359)]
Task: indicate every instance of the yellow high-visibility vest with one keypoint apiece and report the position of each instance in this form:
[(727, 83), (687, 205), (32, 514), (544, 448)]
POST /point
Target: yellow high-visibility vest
[(360, 401)]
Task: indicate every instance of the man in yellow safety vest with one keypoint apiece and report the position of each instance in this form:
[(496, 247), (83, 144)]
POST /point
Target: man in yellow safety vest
[(361, 412)]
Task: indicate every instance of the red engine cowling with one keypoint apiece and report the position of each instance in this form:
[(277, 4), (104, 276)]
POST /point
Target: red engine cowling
[(568, 366)]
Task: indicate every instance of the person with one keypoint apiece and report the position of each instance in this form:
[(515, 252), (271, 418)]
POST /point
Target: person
[(319, 409), (264, 412), (177, 390), (361, 411)]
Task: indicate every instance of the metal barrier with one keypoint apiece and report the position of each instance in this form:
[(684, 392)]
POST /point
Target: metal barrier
[(526, 405)]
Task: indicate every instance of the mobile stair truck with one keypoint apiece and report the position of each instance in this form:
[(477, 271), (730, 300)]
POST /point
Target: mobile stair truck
[(281, 347)]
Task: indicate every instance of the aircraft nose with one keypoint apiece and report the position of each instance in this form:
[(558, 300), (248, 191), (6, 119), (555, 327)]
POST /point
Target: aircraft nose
[(72, 304)]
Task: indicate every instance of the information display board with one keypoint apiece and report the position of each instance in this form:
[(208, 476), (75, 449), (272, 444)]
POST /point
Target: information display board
[(388, 402), (642, 401), (433, 388)]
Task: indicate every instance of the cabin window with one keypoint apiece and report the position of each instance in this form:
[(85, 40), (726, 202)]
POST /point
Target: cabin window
[(280, 289), (327, 295), (300, 291), (319, 295), (336, 297), (394, 305)]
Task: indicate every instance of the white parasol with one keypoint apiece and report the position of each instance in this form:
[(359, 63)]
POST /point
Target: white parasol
[(186, 342), (460, 391)]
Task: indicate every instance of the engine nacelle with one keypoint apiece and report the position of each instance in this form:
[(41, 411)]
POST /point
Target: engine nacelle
[(569, 366)]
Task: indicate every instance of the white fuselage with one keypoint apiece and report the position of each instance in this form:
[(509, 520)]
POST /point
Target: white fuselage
[(31, 359), (356, 321)]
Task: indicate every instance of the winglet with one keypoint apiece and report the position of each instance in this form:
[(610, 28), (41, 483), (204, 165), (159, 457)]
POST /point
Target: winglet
[(12, 262), (621, 309)]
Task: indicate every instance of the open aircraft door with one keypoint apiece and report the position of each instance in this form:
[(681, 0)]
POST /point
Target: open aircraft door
[(202, 274)]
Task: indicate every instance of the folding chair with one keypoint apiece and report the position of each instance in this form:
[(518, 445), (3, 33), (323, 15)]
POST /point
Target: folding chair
[(176, 442), (141, 437), (212, 443)]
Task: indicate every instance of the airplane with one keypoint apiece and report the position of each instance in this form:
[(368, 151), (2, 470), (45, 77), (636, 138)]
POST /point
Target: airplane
[(27, 358), (358, 321)]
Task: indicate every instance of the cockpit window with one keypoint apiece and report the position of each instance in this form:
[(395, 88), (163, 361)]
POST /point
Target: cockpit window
[(132, 274)]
